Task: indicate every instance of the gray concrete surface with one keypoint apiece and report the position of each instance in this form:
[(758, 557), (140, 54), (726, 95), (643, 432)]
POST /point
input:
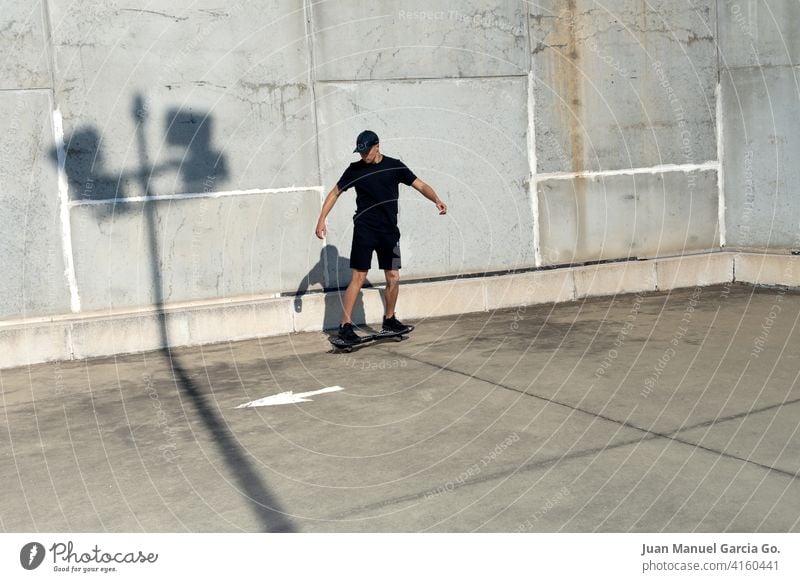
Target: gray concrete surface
[(237, 77), (23, 38), (757, 33), (621, 84), (762, 131), (663, 214), (759, 103), (31, 256), (655, 412), (419, 38), (207, 248)]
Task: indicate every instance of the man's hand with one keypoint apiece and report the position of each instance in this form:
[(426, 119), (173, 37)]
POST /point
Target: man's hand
[(430, 194), (327, 205)]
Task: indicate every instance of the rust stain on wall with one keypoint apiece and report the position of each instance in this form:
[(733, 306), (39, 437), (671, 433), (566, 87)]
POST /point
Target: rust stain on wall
[(566, 66)]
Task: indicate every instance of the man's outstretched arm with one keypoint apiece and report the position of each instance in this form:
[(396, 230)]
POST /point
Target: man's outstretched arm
[(330, 200), (428, 192)]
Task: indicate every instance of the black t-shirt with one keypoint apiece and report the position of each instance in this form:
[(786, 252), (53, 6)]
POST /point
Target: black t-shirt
[(376, 191)]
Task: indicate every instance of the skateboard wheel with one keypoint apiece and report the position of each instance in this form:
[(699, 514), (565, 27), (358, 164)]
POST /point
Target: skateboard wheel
[(398, 338), (348, 350)]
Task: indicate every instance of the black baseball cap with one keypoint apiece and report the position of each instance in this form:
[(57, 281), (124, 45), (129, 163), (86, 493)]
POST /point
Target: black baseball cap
[(365, 141)]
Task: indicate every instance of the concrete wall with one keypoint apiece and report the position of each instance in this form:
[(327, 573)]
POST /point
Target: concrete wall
[(31, 254), (419, 39), (635, 215), (198, 139), (618, 83), (621, 86), (194, 99), (758, 54), (209, 247)]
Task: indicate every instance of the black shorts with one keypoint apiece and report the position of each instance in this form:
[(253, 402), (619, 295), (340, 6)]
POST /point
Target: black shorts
[(385, 244)]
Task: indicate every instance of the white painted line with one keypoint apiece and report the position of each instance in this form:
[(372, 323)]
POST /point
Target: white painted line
[(64, 206), (29, 90), (723, 233), (533, 189), (704, 167), (288, 397), (197, 195)]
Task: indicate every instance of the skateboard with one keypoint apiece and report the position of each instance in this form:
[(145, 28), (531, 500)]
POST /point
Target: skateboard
[(347, 347)]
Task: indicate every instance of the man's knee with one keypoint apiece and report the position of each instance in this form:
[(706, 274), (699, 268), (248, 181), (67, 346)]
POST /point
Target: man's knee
[(359, 276), (392, 278)]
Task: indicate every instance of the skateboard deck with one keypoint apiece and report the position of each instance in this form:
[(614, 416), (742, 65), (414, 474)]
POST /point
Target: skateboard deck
[(347, 347)]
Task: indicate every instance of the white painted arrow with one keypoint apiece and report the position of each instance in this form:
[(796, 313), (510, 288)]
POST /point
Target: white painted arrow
[(288, 397)]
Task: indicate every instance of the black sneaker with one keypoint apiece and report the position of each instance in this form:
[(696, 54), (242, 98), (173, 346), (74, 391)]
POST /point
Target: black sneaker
[(347, 333), (394, 325)]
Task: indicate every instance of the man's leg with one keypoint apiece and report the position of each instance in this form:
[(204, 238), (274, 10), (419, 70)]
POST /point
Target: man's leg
[(351, 294), (392, 290)]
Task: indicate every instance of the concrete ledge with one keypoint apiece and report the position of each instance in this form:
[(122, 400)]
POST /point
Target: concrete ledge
[(692, 271), (763, 269), (74, 336), (319, 311), (95, 337), (615, 278), (101, 334), (309, 310), (555, 286), (142, 331), (240, 321), (21, 345), (425, 300)]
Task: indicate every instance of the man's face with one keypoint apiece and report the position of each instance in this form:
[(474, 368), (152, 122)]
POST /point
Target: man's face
[(372, 155)]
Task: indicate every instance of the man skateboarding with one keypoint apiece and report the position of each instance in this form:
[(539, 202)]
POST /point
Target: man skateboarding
[(376, 178)]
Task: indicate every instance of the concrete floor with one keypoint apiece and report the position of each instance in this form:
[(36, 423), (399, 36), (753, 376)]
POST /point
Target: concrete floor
[(542, 419)]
